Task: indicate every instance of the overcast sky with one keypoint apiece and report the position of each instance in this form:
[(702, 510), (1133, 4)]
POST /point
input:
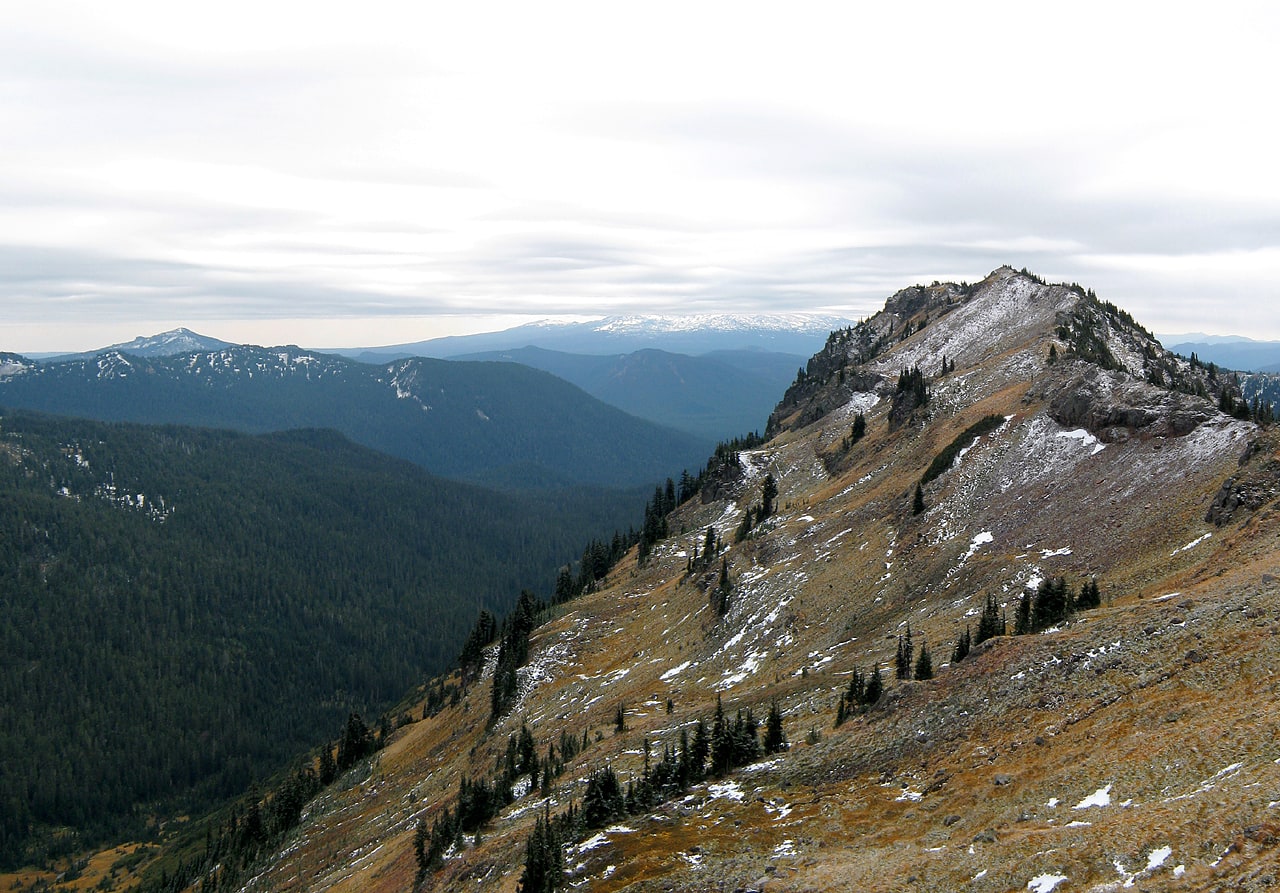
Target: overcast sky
[(361, 174)]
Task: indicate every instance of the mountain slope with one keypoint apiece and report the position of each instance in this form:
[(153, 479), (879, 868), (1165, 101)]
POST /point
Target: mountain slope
[(486, 422), (716, 397), (184, 610), (1133, 743)]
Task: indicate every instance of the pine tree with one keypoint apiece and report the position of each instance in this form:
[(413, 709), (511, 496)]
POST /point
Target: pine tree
[(721, 742), (775, 739), (700, 750), (1022, 617), (917, 504), (989, 624), (768, 494), (1090, 596), (961, 650), (875, 686), (924, 664), (905, 657), (859, 429)]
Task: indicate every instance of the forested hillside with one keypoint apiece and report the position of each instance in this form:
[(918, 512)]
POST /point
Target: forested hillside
[(494, 423), (184, 610)]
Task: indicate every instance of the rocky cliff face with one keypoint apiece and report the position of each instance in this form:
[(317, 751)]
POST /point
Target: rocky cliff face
[(1132, 744)]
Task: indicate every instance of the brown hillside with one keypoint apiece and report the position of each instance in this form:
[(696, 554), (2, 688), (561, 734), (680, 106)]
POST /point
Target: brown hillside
[(1135, 745)]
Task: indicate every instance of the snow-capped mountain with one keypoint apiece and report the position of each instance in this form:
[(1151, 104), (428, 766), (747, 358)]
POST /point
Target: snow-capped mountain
[(699, 333), (165, 344)]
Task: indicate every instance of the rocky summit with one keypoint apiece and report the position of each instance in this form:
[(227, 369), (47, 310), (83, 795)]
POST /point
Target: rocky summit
[(994, 608)]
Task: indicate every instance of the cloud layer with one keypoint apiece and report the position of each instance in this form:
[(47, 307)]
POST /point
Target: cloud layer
[(248, 164)]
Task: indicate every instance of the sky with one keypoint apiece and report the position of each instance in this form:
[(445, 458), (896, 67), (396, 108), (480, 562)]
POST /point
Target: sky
[(362, 174)]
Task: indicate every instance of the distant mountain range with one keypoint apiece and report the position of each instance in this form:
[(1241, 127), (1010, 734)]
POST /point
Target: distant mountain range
[(789, 333), (1230, 351), (716, 395), (500, 424)]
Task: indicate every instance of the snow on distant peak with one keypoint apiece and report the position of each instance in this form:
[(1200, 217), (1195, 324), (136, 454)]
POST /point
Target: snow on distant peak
[(174, 341), (720, 322)]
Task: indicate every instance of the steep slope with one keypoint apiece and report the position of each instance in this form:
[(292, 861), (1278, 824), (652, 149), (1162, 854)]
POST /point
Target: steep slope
[(1132, 743), (184, 610), (495, 423), (714, 397)]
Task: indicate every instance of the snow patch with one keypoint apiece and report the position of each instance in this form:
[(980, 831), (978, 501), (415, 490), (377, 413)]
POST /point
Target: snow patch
[(1100, 797), (1044, 883), (1191, 545), (1086, 439)]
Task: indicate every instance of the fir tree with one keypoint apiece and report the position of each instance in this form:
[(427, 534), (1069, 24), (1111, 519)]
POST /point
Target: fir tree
[(768, 494), (924, 663), (1090, 597), (961, 651), (917, 504), (1022, 617), (990, 623), (544, 858), (775, 740), (875, 686), (905, 657), (859, 429)]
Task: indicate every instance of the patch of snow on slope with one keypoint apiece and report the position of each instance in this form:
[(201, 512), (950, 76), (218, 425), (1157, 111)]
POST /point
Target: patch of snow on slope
[(1157, 857), (1044, 883), (1086, 439), (1191, 545), (730, 790), (675, 671), (982, 539), (1100, 797)]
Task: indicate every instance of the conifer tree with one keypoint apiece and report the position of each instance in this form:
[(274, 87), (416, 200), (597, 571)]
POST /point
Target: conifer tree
[(721, 742), (875, 686), (1022, 617), (775, 739), (917, 503), (905, 657), (859, 429), (990, 624), (1090, 596), (700, 750), (961, 650), (768, 494), (924, 663)]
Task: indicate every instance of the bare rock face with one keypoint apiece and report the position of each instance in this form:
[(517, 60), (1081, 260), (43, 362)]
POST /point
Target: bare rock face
[(1257, 483), (1117, 408)]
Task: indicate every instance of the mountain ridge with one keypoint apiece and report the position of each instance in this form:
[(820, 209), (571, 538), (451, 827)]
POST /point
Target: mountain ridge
[(1110, 461), (463, 420)]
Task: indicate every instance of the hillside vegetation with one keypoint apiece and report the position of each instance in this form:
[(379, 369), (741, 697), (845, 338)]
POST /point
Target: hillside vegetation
[(183, 611)]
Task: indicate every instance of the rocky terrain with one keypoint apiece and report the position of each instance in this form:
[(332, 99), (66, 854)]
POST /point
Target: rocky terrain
[(1134, 745)]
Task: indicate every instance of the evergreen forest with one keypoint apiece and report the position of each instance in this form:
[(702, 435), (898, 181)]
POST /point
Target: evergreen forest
[(182, 611)]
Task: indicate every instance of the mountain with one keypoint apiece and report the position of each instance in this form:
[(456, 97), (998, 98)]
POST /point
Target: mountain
[(715, 396), (790, 333), (183, 610), (165, 344), (971, 460), (499, 423), (1232, 352)]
